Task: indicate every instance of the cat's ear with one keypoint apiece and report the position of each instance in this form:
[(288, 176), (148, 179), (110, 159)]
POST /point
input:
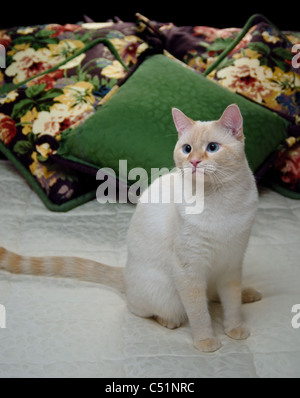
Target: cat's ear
[(233, 120), (182, 122)]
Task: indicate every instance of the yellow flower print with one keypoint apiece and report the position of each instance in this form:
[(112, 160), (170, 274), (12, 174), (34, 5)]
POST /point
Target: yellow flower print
[(270, 38), (76, 94), (18, 47), (26, 31), (289, 82), (198, 64), (114, 71), (28, 119), (291, 141), (129, 48), (39, 170), (247, 53), (9, 97), (65, 49), (44, 149), (73, 63), (293, 39)]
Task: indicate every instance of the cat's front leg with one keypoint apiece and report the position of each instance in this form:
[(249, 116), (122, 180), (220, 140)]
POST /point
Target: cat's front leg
[(192, 291), (230, 293)]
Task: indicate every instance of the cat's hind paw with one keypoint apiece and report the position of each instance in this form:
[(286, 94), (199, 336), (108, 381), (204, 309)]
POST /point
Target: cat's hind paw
[(167, 324), (250, 295), (208, 345), (239, 333)]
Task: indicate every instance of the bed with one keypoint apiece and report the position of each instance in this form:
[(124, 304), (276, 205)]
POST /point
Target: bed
[(66, 328), (63, 328)]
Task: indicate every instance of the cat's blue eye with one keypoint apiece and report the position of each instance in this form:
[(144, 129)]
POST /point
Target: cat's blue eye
[(186, 148), (212, 147)]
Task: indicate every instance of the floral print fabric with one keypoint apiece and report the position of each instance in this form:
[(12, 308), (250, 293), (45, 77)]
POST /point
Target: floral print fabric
[(259, 67), (286, 169), (49, 94), (35, 113)]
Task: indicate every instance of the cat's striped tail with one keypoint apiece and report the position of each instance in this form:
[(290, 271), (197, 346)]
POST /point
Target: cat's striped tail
[(64, 267)]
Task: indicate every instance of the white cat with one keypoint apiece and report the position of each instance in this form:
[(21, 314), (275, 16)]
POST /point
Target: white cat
[(178, 261)]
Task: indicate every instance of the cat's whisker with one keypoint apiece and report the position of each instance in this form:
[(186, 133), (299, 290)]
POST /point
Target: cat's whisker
[(216, 182)]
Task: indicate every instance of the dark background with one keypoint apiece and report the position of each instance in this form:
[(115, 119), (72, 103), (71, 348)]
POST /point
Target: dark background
[(221, 13)]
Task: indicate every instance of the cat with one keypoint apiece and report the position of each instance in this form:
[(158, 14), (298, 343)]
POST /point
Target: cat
[(177, 261)]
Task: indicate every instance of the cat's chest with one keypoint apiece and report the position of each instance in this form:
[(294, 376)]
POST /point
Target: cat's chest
[(212, 238), (217, 223)]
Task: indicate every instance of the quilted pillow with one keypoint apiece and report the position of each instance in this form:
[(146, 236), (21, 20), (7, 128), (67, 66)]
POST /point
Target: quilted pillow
[(136, 124)]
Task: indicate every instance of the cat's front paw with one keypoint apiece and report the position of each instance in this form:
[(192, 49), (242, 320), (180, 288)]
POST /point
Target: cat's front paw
[(239, 333), (208, 345)]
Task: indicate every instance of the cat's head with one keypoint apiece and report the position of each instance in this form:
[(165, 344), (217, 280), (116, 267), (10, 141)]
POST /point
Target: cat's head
[(215, 148)]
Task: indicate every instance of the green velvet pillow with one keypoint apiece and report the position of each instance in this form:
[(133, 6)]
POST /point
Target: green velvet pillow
[(136, 124)]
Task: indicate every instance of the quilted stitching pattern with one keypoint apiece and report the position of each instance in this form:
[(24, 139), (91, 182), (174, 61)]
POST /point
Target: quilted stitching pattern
[(60, 328)]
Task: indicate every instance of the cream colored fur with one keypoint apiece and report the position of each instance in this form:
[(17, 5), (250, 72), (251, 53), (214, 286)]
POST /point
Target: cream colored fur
[(177, 262)]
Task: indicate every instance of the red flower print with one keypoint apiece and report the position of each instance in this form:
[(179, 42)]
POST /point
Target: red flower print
[(8, 129), (5, 40)]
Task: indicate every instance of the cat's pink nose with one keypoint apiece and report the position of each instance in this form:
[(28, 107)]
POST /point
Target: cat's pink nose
[(195, 162)]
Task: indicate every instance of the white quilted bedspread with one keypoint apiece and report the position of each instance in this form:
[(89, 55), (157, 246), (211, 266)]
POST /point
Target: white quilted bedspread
[(65, 328)]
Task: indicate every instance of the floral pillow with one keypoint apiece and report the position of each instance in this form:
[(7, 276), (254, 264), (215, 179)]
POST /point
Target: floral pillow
[(42, 94), (260, 68)]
